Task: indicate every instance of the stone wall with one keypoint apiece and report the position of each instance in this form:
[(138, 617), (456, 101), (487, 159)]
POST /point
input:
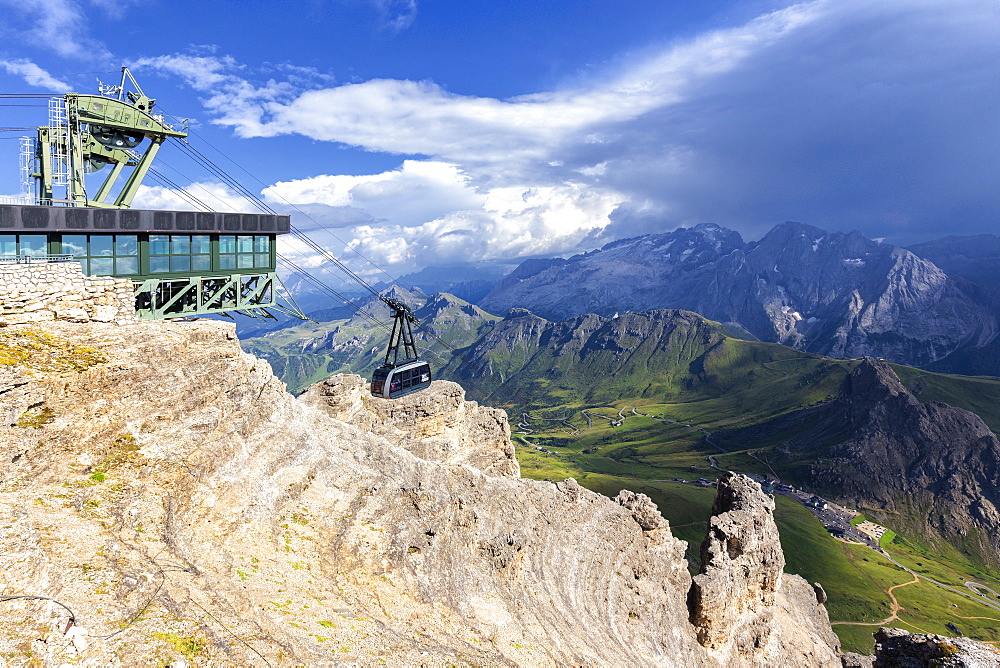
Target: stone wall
[(60, 291)]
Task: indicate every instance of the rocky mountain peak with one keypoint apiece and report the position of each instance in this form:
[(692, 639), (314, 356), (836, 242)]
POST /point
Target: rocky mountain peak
[(873, 381), (831, 293), (938, 462)]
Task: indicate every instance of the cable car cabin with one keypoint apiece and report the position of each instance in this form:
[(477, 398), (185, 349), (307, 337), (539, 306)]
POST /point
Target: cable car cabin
[(391, 381)]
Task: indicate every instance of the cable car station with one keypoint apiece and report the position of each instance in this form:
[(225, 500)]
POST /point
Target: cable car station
[(181, 263)]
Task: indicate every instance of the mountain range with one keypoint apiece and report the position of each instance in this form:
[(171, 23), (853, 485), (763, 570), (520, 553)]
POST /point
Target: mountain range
[(836, 294)]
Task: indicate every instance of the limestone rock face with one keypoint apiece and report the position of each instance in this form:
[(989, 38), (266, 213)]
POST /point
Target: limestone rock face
[(734, 601), (436, 424), (163, 486), (896, 647)]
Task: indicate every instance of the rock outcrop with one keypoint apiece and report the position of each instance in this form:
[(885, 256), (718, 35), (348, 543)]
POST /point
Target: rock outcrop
[(437, 424), (165, 488), (926, 469), (734, 601), (896, 648)]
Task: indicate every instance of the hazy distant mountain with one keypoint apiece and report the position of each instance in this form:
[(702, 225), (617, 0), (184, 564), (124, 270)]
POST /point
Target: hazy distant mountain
[(835, 294), (465, 281), (975, 258), (309, 352)]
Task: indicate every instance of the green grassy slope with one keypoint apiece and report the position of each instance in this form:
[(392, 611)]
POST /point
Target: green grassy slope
[(857, 580)]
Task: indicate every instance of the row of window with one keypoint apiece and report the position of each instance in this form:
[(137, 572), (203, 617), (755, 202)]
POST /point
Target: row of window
[(118, 254)]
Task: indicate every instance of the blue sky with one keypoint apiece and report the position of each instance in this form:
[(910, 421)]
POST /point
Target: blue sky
[(438, 132)]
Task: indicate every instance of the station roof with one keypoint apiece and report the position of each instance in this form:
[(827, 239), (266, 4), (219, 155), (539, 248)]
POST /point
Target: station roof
[(20, 218)]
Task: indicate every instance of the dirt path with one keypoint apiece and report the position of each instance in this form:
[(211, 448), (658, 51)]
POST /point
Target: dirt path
[(894, 610)]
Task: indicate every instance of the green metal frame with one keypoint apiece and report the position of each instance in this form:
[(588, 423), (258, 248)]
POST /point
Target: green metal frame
[(77, 141), (158, 298)]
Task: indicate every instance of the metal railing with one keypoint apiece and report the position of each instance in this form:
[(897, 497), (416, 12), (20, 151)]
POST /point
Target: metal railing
[(36, 259)]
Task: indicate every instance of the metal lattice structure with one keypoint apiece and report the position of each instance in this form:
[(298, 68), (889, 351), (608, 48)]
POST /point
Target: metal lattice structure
[(248, 294)]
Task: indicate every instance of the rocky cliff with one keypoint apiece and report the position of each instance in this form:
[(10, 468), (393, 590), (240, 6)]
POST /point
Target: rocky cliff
[(835, 294), (929, 470), (933, 467), (165, 498)]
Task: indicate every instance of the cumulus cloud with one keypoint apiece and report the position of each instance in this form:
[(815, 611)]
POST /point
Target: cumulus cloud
[(416, 192), (427, 212), (33, 75), (214, 196)]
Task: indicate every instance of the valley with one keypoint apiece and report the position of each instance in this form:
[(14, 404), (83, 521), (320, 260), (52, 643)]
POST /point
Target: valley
[(865, 586)]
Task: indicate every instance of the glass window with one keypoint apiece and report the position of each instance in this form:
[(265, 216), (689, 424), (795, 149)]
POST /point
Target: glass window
[(244, 261), (244, 244), (227, 262), (127, 265), (125, 244), (159, 244), (8, 244), (201, 244), (261, 244), (33, 244), (101, 266), (227, 243), (159, 265), (262, 260), (180, 244), (101, 244), (74, 244), (201, 263), (180, 263)]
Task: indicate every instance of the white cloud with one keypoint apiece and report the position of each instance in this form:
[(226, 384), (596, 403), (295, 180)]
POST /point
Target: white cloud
[(232, 97), (58, 25), (421, 117), (215, 196), (396, 15), (428, 212), (34, 75), (416, 192), (510, 222)]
